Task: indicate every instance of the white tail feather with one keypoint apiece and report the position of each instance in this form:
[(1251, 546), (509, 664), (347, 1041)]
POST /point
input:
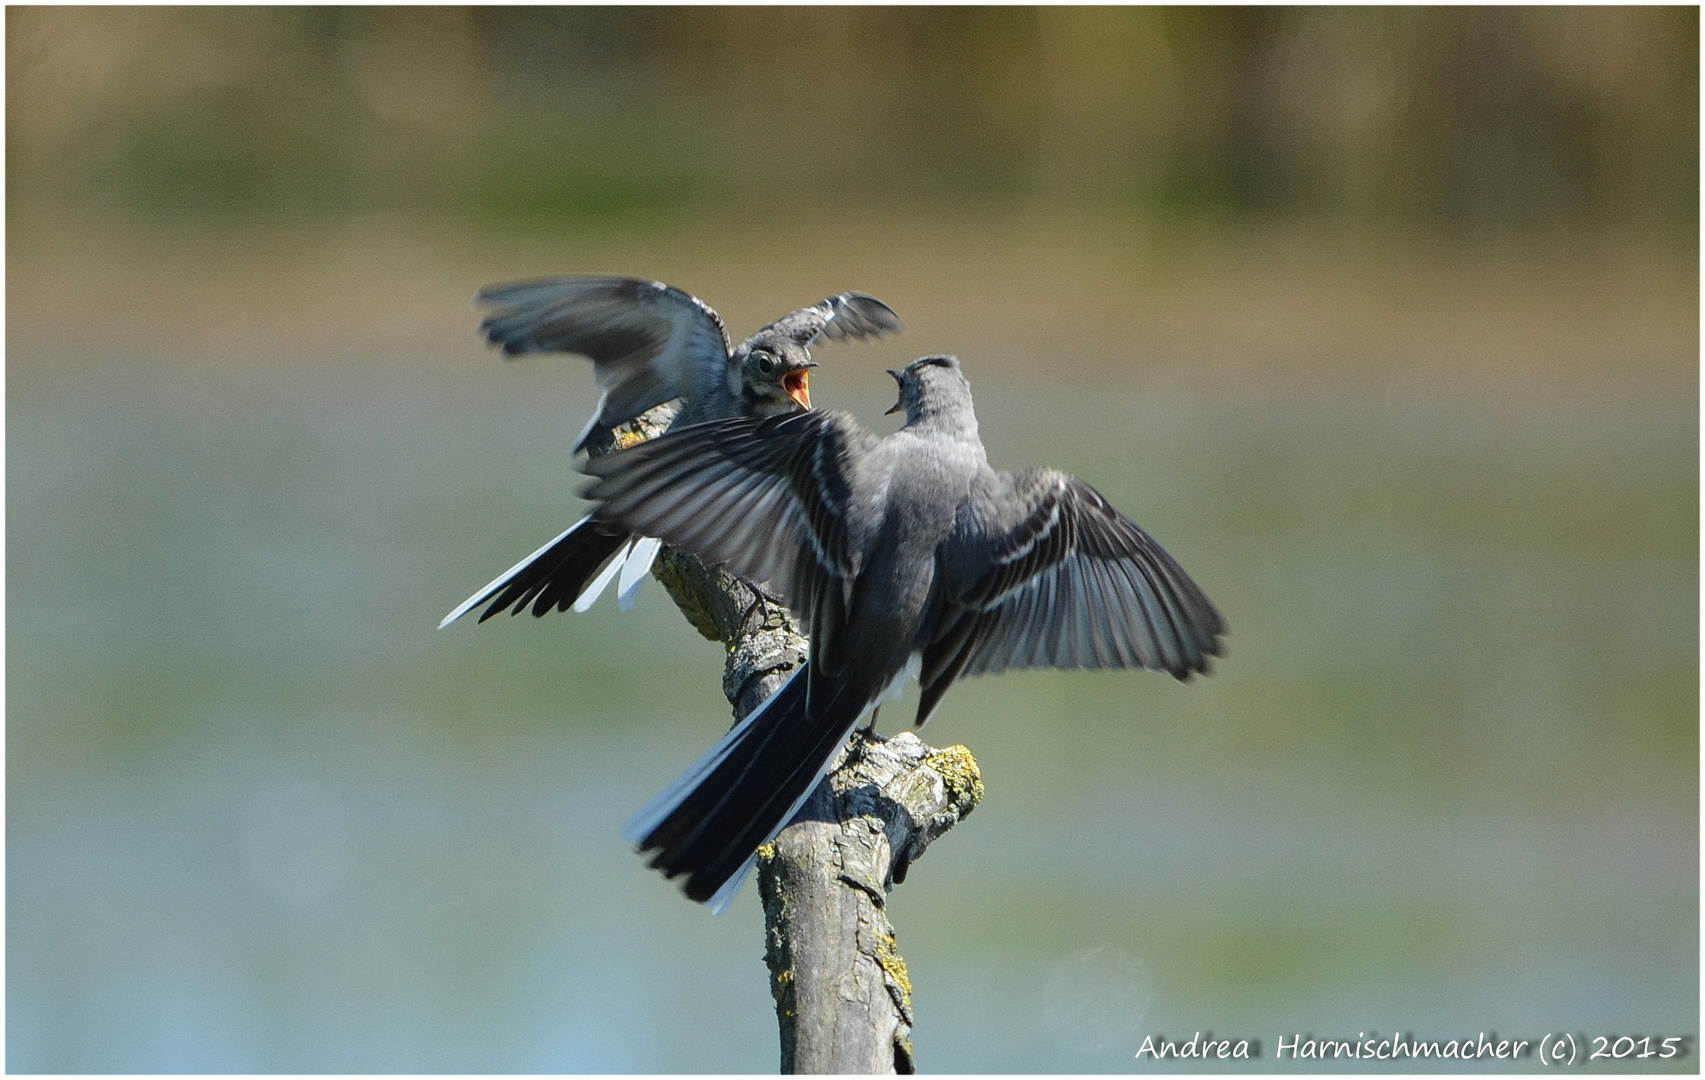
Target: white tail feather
[(719, 901), (634, 570), (502, 579), (602, 581), (724, 896), (654, 812)]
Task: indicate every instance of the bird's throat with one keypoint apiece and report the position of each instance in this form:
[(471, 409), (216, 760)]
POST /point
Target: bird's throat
[(798, 387)]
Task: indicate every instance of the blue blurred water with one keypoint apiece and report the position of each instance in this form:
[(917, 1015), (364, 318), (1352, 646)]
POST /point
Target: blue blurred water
[(263, 816)]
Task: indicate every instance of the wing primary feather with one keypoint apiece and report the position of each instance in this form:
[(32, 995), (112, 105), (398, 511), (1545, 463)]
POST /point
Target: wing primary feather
[(1137, 623), (1107, 652), (1165, 633), (1045, 606)]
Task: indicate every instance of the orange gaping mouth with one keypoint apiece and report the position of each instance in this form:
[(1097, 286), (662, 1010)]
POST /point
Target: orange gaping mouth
[(798, 386)]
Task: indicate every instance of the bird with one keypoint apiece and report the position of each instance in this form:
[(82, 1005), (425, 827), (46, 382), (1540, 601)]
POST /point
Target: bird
[(649, 343), (905, 555)]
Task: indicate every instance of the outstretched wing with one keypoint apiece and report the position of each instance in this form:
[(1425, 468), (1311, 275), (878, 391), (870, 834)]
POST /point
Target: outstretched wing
[(768, 499), (850, 316), (648, 342), (1041, 571)]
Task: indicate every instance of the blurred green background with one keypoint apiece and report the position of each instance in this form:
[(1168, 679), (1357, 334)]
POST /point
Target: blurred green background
[(1384, 321)]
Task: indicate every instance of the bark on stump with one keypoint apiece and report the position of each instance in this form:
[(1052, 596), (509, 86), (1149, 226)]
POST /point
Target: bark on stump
[(843, 997)]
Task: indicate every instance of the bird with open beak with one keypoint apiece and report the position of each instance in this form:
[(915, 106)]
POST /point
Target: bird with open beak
[(797, 384), (905, 555), (649, 343)]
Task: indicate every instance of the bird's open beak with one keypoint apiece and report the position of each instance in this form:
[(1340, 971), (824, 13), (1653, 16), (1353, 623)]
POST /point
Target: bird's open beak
[(798, 386), (902, 400)]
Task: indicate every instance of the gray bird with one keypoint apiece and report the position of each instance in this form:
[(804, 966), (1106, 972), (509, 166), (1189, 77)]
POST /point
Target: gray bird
[(903, 555), (649, 343)]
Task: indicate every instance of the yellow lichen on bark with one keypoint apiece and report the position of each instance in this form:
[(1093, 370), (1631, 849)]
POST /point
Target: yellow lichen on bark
[(959, 770), (888, 955)]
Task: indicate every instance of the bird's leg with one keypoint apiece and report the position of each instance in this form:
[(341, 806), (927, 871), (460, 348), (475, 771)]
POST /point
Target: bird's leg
[(760, 607), (869, 730), (757, 602)]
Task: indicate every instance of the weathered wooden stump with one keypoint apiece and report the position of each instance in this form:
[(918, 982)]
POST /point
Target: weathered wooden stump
[(843, 996)]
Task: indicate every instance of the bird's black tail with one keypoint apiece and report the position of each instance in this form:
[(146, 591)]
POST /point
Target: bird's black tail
[(710, 822), (554, 576)]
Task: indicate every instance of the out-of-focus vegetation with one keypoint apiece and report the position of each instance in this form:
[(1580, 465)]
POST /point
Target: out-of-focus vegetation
[(1478, 119)]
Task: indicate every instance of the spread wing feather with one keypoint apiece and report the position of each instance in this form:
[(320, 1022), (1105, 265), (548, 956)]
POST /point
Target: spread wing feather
[(849, 316), (648, 342), (764, 498), (1041, 571)]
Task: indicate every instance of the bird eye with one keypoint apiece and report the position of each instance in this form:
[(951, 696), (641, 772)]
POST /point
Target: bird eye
[(766, 363)]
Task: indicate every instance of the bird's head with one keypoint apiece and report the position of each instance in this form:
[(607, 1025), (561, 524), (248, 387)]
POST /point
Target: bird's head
[(775, 374), (932, 386)]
